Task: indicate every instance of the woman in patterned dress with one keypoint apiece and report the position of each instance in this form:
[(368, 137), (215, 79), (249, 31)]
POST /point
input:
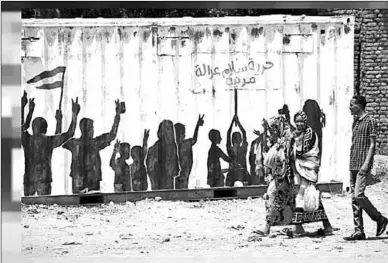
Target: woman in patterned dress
[(277, 162), (306, 168)]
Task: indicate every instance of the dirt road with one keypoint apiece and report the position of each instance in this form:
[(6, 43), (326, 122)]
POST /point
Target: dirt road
[(213, 228)]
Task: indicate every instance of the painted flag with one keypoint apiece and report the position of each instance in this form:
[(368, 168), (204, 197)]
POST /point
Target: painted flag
[(49, 79)]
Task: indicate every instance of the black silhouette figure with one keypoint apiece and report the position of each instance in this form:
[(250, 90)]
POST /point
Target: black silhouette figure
[(122, 181), (185, 150), (162, 158), (215, 177), (237, 150), (137, 168), (38, 149), (86, 161), (25, 100), (315, 119)]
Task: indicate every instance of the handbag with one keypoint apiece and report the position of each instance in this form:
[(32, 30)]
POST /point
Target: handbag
[(311, 198)]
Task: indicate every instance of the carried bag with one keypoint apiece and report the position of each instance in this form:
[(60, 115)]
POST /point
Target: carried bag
[(311, 198)]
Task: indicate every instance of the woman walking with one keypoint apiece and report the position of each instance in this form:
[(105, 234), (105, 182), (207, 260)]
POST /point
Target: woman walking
[(280, 195), (306, 166)]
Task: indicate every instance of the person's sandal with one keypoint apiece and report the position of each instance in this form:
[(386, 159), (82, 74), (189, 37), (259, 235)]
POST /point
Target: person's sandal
[(328, 231), (355, 236), (261, 233), (299, 231), (288, 232)]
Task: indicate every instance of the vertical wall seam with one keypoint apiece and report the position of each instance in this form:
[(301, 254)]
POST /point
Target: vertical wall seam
[(265, 75), (103, 70), (65, 99), (141, 62), (318, 48), (335, 101)]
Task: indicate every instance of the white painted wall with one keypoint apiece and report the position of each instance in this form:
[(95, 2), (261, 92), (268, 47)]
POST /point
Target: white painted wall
[(156, 79)]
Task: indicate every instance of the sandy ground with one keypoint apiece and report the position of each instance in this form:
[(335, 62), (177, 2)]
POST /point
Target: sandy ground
[(163, 228), (157, 228)]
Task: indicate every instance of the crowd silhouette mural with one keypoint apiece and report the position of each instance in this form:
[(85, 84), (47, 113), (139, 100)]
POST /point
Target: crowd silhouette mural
[(167, 163)]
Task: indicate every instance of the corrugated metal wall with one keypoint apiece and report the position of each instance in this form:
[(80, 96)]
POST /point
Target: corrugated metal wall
[(158, 68)]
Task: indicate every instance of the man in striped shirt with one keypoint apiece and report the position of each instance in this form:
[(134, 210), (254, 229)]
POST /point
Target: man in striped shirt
[(361, 161)]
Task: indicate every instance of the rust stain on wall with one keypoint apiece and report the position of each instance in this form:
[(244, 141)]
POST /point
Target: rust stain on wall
[(173, 43), (51, 36), (217, 33), (124, 35), (172, 29), (270, 32), (280, 29), (339, 31), (232, 38), (198, 35), (189, 32), (305, 28), (332, 98), (208, 32), (154, 32), (286, 40), (256, 32), (107, 35), (146, 34), (323, 37)]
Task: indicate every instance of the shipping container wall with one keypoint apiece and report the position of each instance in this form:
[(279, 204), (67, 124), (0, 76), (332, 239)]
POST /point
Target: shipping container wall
[(178, 69)]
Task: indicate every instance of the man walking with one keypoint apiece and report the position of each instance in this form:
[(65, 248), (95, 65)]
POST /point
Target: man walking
[(361, 160)]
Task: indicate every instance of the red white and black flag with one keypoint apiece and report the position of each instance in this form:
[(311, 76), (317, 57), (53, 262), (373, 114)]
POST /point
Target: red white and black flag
[(50, 79)]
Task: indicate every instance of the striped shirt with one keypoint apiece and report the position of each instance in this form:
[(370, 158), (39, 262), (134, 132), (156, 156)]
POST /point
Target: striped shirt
[(364, 128)]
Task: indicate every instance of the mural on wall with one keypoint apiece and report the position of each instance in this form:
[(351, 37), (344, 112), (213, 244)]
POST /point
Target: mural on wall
[(163, 81), (138, 173), (185, 152), (122, 181), (85, 151), (237, 146), (162, 160), (215, 175), (38, 149), (169, 160)]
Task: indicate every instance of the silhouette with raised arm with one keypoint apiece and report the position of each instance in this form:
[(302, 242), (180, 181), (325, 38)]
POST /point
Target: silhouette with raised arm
[(237, 150), (137, 168), (86, 161), (120, 167), (38, 149), (215, 177), (185, 150)]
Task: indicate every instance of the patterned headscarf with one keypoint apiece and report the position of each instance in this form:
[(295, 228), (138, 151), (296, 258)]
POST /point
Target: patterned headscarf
[(280, 150), (301, 114), (308, 134), (280, 123)]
